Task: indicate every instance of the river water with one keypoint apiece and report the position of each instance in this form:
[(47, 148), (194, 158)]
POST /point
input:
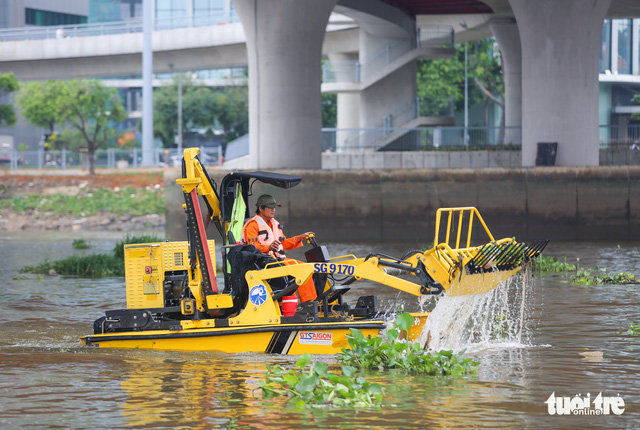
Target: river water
[(568, 343)]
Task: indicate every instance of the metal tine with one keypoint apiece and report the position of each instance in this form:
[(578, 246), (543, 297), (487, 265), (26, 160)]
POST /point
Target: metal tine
[(504, 252), (482, 255), (526, 251), (500, 255), (542, 245), (496, 255), (491, 254), (509, 254), (536, 248)]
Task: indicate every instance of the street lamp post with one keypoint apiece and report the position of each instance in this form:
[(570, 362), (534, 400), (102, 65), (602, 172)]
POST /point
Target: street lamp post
[(147, 86), (179, 115)]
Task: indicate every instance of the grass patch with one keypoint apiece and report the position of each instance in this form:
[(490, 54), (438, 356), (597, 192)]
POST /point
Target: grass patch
[(126, 201), (94, 265)]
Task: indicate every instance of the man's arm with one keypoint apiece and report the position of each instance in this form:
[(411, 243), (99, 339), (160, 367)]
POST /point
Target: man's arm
[(295, 241)]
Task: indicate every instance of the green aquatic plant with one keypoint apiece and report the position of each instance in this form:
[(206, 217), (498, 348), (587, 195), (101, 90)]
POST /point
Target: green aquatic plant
[(313, 384), (500, 327), (633, 330), (80, 244), (118, 249), (94, 265), (88, 266), (599, 276), (553, 265), (396, 353)]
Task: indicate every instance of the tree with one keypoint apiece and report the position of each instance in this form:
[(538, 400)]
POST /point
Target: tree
[(329, 110), (441, 80), (8, 84), (232, 111), (225, 108), (487, 75), (635, 99), (439, 83), (38, 102), (86, 108)]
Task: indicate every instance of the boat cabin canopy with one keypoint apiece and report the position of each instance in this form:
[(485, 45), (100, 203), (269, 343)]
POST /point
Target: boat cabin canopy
[(229, 189)]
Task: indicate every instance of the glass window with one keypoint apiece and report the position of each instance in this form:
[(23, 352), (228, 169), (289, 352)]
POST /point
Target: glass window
[(605, 47), (45, 18), (171, 8), (208, 6), (624, 46)]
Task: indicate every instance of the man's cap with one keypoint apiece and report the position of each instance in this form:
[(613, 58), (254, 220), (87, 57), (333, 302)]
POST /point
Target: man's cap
[(267, 200)]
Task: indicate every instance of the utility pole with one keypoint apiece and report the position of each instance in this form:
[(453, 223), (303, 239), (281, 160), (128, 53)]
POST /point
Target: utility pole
[(180, 115), (466, 98), (147, 85)]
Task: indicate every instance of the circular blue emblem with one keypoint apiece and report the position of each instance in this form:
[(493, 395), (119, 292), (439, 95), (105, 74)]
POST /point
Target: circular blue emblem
[(258, 295)]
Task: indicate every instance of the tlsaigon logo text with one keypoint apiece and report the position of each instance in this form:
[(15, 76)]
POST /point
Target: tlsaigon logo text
[(584, 405)]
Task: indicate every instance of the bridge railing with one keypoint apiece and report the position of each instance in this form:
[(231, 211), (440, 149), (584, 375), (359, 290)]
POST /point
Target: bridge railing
[(619, 136), (116, 27), (422, 139)]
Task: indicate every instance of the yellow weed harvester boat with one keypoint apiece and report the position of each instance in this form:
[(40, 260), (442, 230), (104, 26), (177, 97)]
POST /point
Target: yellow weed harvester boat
[(174, 302)]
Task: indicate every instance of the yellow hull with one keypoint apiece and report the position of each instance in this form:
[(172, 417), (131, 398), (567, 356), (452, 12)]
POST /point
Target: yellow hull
[(294, 339)]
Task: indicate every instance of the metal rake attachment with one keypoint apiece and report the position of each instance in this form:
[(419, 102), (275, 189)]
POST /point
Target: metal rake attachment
[(504, 256)]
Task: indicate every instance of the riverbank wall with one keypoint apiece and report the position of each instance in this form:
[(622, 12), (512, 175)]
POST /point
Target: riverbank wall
[(557, 203)]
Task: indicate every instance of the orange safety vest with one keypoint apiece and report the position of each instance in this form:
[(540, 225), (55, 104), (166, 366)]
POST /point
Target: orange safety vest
[(267, 233)]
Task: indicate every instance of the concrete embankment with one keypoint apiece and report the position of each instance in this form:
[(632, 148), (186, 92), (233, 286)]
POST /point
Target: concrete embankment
[(558, 203)]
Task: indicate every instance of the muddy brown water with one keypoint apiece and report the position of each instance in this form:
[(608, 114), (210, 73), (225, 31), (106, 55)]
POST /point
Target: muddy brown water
[(569, 345)]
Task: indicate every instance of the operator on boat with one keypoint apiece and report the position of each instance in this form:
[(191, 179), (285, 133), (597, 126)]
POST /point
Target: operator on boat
[(265, 233)]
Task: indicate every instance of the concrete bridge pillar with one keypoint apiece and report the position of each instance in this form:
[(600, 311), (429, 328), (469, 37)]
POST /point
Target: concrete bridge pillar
[(560, 41), (508, 37), (284, 48), (348, 109)]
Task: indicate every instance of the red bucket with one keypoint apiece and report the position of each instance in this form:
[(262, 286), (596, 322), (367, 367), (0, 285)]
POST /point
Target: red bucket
[(289, 305)]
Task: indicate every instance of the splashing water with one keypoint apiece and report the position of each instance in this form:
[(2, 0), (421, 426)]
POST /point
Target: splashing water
[(479, 321)]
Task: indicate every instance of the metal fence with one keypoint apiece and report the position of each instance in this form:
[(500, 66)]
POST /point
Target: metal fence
[(438, 35), (110, 158), (116, 27), (422, 139), (619, 136)]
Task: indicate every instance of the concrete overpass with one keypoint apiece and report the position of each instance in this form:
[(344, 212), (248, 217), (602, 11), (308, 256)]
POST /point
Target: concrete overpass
[(550, 49)]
